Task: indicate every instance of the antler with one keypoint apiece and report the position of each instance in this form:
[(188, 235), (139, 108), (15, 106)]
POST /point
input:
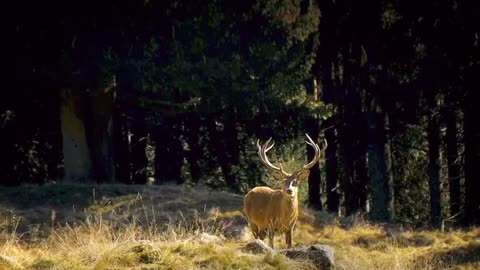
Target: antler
[(262, 152), (317, 155)]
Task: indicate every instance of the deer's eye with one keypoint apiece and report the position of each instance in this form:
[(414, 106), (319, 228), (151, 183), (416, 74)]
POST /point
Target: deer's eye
[(294, 183)]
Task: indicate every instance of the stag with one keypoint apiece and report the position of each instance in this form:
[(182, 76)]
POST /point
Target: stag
[(269, 210)]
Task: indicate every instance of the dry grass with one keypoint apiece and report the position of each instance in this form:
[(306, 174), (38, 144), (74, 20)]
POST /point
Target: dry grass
[(170, 227)]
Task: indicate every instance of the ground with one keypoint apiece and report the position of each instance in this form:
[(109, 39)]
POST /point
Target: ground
[(173, 227)]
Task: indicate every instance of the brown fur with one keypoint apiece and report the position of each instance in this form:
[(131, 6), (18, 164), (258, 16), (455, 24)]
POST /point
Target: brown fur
[(269, 210)]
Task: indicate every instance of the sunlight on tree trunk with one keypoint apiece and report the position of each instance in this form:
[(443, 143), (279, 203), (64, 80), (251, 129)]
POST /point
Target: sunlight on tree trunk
[(76, 153)]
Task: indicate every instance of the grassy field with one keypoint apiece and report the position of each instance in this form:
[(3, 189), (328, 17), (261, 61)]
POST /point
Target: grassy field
[(171, 227)]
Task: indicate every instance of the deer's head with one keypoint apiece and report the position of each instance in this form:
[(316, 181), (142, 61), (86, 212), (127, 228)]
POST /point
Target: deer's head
[(290, 180)]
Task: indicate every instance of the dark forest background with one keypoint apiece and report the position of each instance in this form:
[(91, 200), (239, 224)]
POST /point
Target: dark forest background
[(154, 92)]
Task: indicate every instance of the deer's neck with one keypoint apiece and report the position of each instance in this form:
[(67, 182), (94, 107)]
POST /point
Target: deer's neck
[(290, 203)]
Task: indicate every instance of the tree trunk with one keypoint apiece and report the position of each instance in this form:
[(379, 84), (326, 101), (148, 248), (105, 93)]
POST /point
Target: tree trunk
[(331, 166), (352, 205), (217, 145), (453, 160), (360, 161), (353, 129), (329, 94), (51, 135), (7, 143), (434, 163), (100, 136), (472, 159), (231, 147), (380, 166), (121, 147), (175, 151), (312, 126), (346, 139), (354, 175), (361, 176), (194, 154), (314, 179), (168, 152), (138, 144), (76, 152), (230, 136), (160, 136)]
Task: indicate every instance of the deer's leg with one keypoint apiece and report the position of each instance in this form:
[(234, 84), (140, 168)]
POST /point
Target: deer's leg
[(255, 230), (288, 238), (262, 234)]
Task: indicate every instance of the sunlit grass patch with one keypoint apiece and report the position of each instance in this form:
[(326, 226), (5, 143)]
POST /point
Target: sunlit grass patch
[(170, 227)]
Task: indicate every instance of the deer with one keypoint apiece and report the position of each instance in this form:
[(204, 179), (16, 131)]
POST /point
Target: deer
[(270, 210)]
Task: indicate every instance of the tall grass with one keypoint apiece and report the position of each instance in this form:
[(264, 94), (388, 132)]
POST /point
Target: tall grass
[(177, 228)]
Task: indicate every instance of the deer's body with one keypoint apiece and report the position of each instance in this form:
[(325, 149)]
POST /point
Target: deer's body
[(268, 210)]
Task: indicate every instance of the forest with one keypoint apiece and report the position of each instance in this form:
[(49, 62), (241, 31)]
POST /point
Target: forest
[(146, 94)]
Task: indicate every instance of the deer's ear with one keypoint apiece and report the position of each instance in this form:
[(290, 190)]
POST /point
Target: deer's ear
[(278, 176), (303, 175)]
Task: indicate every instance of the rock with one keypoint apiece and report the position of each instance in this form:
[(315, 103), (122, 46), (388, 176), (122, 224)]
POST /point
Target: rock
[(321, 255), (258, 246), (234, 232), (8, 262), (208, 238)]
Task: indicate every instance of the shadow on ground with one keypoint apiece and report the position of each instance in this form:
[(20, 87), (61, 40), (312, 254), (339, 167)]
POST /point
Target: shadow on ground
[(465, 256), (26, 207)]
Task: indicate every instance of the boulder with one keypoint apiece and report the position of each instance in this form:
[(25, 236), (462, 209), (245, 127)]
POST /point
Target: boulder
[(257, 246), (321, 255)]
